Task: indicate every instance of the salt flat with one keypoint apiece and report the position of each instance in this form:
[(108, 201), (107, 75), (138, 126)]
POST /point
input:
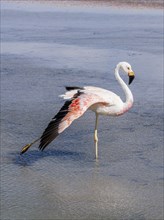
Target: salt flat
[(44, 48)]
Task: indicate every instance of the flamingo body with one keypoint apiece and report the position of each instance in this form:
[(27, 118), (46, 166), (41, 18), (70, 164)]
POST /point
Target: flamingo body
[(101, 101)]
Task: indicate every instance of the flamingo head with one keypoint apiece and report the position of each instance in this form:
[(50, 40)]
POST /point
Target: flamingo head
[(126, 67)]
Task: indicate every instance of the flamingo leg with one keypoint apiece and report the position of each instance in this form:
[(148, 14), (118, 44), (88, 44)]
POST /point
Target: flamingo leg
[(96, 137), (27, 146)]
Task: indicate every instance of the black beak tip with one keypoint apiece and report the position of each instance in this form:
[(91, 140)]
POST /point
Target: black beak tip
[(131, 78)]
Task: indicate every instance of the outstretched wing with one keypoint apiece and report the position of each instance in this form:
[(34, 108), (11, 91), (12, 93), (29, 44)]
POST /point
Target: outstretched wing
[(71, 110)]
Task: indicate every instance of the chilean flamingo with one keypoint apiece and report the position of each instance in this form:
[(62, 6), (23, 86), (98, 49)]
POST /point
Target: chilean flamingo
[(79, 99)]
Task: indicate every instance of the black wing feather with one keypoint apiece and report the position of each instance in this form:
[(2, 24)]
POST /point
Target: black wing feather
[(69, 88), (51, 132)]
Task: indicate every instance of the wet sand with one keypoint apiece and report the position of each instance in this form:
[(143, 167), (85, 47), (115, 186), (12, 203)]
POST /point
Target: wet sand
[(44, 48)]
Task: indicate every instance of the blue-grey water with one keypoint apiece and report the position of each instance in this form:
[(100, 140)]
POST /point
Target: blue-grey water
[(44, 48)]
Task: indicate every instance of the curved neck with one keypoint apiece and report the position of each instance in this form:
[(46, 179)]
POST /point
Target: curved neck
[(128, 94)]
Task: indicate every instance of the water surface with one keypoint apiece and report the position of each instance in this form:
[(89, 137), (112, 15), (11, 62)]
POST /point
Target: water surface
[(42, 51)]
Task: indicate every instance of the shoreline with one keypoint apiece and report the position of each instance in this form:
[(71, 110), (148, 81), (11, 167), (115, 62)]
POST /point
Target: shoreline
[(138, 4)]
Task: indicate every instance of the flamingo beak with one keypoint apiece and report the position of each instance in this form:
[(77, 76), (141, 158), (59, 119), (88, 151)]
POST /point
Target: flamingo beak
[(131, 77)]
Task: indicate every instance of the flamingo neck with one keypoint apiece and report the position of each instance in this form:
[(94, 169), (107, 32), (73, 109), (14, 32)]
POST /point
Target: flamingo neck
[(128, 94)]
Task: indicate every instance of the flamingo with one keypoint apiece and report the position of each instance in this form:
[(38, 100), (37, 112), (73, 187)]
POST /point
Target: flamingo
[(80, 99)]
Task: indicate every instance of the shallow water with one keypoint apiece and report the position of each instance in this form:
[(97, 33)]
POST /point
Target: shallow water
[(42, 52)]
